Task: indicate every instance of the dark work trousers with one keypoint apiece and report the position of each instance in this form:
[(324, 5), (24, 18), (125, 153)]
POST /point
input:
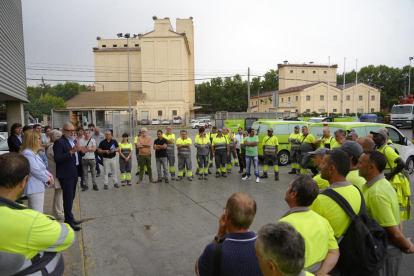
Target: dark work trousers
[(68, 193), (220, 158), (241, 160), (99, 160)]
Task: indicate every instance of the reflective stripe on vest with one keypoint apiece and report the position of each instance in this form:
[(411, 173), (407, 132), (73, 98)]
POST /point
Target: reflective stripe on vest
[(220, 146), (270, 150), (313, 268), (184, 152), (170, 148)]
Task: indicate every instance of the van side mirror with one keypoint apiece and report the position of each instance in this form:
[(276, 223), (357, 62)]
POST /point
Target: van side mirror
[(405, 141)]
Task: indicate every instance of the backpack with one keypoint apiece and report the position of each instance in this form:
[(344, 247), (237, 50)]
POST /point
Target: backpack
[(364, 246)]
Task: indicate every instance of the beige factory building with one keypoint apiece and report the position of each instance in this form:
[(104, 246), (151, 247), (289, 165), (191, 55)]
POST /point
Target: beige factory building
[(304, 88), (161, 71)]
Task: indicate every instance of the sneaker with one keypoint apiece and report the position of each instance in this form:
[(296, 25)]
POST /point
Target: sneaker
[(98, 175), (244, 175), (257, 179), (116, 185), (106, 187), (95, 187), (246, 178)]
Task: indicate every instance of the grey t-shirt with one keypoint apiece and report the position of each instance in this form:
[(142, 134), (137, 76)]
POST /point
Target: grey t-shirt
[(89, 154)]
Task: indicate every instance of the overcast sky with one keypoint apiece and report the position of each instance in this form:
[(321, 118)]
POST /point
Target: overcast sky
[(229, 35)]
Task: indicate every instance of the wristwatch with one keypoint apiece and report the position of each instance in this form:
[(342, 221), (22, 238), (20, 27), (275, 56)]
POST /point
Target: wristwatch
[(217, 239)]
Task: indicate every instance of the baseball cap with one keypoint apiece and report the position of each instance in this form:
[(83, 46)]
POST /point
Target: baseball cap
[(352, 133), (221, 130), (351, 147), (297, 126), (380, 132), (245, 132), (320, 151), (270, 129)]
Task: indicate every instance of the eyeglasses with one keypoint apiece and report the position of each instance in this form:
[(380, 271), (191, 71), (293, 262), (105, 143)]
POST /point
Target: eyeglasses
[(69, 130)]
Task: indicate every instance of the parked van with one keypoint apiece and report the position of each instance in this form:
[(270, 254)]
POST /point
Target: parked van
[(401, 143), (282, 130)]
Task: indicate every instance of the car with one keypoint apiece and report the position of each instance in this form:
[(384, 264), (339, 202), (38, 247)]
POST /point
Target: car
[(144, 122), (205, 123), (402, 144), (194, 124), (165, 122), (155, 122), (177, 121), (282, 130), (193, 121), (4, 147), (3, 130)]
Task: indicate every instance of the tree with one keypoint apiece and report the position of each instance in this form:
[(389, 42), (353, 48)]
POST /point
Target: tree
[(66, 91), (44, 105)]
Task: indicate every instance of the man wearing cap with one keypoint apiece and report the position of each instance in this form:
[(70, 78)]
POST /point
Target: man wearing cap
[(339, 135), (184, 155), (270, 148), (220, 149), (237, 139), (211, 135), (170, 151), (334, 168), (353, 135), (317, 160), (137, 152), (389, 142), (243, 154), (354, 150), (306, 145), (294, 139), (394, 173), (326, 140)]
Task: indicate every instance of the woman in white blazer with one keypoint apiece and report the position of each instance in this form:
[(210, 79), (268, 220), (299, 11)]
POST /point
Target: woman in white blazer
[(39, 177), (57, 199)]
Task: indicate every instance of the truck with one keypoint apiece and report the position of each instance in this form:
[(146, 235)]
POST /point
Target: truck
[(234, 124), (402, 115)]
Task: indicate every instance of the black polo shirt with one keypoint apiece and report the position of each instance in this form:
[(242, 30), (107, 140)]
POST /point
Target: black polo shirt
[(162, 152), (105, 145)]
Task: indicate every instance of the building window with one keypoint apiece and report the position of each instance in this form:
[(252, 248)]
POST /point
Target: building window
[(291, 71), (324, 72), (335, 98), (347, 111), (372, 98), (288, 99), (307, 110), (321, 97), (297, 98), (136, 45), (159, 112), (348, 98), (308, 98), (335, 110), (282, 100), (303, 71), (372, 110), (361, 111), (114, 45), (360, 98), (314, 72), (103, 46), (174, 112), (321, 110), (125, 45)]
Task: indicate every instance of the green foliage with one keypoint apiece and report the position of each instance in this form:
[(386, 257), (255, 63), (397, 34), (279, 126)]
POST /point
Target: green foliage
[(44, 105), (66, 91), (84, 88), (391, 103)]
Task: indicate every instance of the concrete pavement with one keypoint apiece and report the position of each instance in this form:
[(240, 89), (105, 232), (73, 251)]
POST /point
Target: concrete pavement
[(161, 229)]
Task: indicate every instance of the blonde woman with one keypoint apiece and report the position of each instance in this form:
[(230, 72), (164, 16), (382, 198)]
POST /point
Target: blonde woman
[(39, 177)]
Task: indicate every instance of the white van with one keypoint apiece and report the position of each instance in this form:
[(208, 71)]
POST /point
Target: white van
[(176, 121)]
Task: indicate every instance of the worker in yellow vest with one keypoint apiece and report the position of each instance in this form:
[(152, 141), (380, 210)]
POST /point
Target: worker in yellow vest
[(326, 141), (137, 153), (394, 172), (306, 145), (220, 147), (294, 140), (30, 242), (170, 152), (232, 148), (211, 135), (202, 143), (184, 155), (317, 161), (270, 145)]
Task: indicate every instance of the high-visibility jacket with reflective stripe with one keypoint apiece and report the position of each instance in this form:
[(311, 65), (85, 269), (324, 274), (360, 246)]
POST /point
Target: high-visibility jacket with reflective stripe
[(270, 144), (211, 136), (242, 147), (220, 143), (170, 147), (184, 152), (125, 148), (230, 142), (199, 141), (28, 232)]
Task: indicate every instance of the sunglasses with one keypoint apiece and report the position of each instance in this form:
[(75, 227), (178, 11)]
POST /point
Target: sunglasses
[(69, 130)]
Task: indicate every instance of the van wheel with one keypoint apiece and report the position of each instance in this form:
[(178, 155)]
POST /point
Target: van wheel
[(410, 165), (284, 158)]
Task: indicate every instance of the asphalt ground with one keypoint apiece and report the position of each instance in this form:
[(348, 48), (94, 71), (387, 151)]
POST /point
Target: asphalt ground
[(162, 229)]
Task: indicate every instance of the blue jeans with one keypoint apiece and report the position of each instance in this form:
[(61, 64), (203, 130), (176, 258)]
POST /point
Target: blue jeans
[(98, 159), (255, 164)]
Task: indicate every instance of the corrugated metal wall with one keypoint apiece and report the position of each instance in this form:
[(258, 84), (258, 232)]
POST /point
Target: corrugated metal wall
[(12, 61)]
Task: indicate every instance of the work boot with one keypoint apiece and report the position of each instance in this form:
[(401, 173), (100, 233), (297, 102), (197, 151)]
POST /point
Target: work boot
[(236, 164), (209, 172), (217, 174), (179, 178), (85, 188), (228, 170), (137, 173), (223, 174), (297, 171), (95, 187), (200, 176), (205, 176), (241, 170), (293, 171), (129, 182), (172, 177), (264, 175), (197, 171), (277, 176), (106, 187), (190, 178), (146, 172)]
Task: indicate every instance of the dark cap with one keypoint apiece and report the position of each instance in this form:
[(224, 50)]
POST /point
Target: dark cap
[(320, 151), (380, 132), (297, 126), (270, 129), (351, 147)]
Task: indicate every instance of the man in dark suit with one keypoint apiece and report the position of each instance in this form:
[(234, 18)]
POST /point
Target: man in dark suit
[(15, 139), (67, 155)]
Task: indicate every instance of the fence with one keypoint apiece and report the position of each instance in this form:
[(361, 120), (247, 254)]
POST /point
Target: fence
[(262, 115)]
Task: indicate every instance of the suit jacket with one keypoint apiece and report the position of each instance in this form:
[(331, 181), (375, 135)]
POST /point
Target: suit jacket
[(65, 162), (52, 165), (14, 143)]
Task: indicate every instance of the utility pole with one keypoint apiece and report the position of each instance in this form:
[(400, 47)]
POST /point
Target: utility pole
[(248, 88), (343, 91), (409, 76), (329, 74), (356, 90)]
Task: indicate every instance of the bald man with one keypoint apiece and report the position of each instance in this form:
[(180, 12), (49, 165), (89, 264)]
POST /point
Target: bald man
[(366, 143)]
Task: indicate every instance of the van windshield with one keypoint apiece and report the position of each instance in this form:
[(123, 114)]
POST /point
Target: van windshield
[(401, 109), (317, 131), (175, 118)]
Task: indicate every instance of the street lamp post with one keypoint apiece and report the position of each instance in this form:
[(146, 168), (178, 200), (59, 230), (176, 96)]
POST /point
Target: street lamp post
[(128, 36), (103, 87), (258, 100), (409, 76)]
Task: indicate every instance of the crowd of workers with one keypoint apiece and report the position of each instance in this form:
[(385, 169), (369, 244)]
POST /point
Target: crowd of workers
[(363, 176)]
